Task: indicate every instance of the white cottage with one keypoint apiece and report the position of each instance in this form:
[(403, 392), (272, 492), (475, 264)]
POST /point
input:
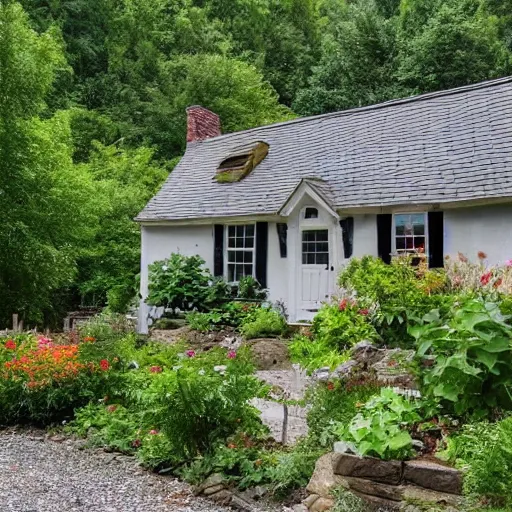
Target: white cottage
[(290, 203)]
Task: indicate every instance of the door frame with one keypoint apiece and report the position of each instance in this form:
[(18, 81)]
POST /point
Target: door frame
[(296, 225)]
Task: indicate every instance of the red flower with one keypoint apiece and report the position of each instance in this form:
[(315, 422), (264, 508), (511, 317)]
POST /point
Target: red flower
[(104, 365), (364, 312), (156, 369), (136, 443), (153, 432), (190, 353), (89, 339), (231, 354), (484, 280), (231, 446), (498, 283), (111, 408), (10, 345), (343, 304), (330, 386)]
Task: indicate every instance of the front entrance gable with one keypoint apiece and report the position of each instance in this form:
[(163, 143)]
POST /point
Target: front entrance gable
[(314, 248)]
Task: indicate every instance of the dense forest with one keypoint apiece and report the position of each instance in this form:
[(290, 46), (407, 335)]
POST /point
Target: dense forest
[(93, 96)]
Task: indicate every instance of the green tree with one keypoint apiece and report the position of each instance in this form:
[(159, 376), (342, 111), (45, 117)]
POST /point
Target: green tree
[(358, 61), (448, 44), (43, 197), (232, 88), (124, 180)]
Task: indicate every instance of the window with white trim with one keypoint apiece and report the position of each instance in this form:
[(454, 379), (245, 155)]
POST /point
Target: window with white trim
[(315, 247), (240, 251), (410, 233)]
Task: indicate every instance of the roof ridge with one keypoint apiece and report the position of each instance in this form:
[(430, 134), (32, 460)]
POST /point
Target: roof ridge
[(356, 110)]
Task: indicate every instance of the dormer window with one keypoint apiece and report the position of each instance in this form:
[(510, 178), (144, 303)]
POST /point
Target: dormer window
[(311, 213), (240, 163)]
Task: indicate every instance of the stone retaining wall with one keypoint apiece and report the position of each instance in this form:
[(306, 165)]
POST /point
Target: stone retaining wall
[(391, 484)]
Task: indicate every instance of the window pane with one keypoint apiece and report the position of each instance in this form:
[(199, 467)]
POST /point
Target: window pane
[(249, 242), (400, 230), (401, 220), (418, 218), (310, 259), (311, 213), (322, 247), (322, 258), (239, 231), (419, 229), (231, 231), (231, 273), (419, 242), (249, 230), (322, 235), (308, 236), (248, 257), (409, 243), (400, 244), (248, 270)]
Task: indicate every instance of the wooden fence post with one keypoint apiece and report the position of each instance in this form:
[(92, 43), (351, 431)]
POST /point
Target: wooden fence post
[(15, 322)]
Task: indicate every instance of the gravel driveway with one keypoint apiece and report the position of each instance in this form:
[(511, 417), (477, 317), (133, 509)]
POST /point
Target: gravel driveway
[(41, 475)]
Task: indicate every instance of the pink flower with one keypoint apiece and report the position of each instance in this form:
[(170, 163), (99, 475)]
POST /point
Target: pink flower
[(111, 408), (343, 305), (153, 432), (190, 353), (136, 443), (231, 354), (43, 342), (156, 369), (508, 263), (364, 312), (484, 280)]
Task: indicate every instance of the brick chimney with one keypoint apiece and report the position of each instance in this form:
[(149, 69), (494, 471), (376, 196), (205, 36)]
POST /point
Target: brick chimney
[(201, 124)]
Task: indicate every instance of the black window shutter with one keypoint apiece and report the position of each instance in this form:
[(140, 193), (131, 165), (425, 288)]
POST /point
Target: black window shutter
[(347, 227), (384, 222), (218, 255), (261, 252), (436, 239), (282, 234)]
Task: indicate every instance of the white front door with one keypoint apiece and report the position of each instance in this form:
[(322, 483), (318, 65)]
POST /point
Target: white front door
[(315, 270)]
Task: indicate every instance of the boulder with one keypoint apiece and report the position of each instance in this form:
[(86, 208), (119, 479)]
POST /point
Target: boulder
[(214, 480), (386, 491), (270, 354), (345, 370), (344, 447), (393, 370), (379, 504), (213, 490), (417, 494), (308, 502), (322, 504), (300, 508), (324, 481), (366, 353), (431, 475), (223, 497), (384, 471), (322, 374)]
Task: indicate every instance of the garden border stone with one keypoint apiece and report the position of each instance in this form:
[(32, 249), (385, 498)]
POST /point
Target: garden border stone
[(377, 470), (430, 475)]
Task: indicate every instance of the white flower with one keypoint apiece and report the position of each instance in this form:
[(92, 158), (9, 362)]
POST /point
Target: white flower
[(201, 372)]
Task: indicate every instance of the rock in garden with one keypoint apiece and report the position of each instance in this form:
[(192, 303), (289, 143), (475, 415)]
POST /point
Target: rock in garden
[(385, 471), (322, 504), (345, 370), (432, 498), (366, 353), (270, 354), (322, 374), (343, 447), (324, 481), (431, 475)]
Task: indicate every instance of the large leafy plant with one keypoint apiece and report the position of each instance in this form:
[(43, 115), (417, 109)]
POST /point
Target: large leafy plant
[(380, 428), (180, 282), (470, 357), (343, 325)]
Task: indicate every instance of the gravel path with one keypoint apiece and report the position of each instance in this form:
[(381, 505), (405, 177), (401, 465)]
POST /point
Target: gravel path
[(41, 475)]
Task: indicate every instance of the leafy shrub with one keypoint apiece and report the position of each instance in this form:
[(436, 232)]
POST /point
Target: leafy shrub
[(484, 451), (378, 429), (263, 322), (313, 354), (230, 314), (335, 403), (250, 289), (394, 293), (471, 370), (343, 325), (181, 282), (42, 383), (177, 405)]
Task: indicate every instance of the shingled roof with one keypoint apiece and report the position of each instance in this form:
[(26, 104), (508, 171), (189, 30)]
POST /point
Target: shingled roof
[(442, 147)]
